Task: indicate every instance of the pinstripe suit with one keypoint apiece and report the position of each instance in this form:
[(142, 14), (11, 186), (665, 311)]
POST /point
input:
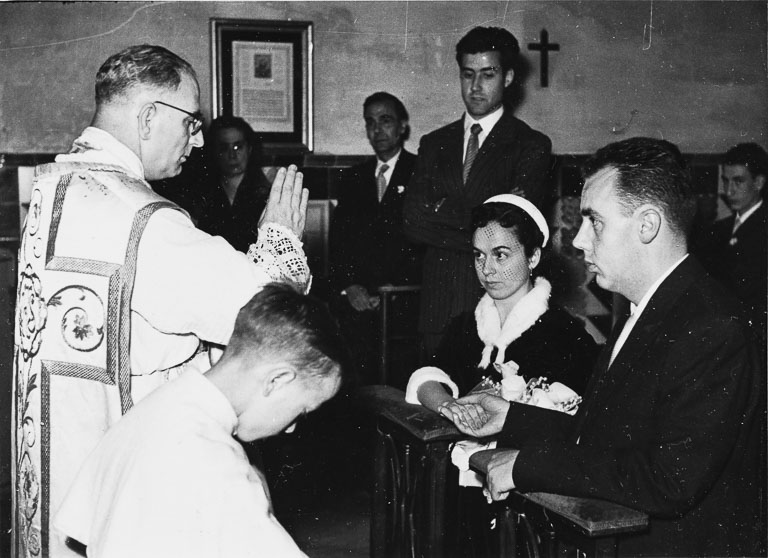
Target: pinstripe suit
[(438, 207)]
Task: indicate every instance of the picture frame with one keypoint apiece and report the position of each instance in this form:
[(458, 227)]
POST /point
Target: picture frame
[(262, 72)]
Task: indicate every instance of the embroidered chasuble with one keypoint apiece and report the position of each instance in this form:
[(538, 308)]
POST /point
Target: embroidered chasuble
[(117, 289), (77, 264)]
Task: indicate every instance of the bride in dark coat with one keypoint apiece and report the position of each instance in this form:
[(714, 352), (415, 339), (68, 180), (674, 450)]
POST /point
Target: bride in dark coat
[(513, 327)]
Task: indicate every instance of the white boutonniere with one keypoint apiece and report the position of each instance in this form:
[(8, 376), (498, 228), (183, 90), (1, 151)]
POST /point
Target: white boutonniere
[(733, 241), (400, 189)]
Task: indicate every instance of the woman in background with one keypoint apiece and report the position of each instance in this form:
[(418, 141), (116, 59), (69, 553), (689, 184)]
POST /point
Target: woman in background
[(513, 324), (235, 190)]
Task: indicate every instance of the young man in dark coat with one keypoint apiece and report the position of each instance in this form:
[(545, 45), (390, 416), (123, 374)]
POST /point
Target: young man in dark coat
[(736, 248), (487, 152)]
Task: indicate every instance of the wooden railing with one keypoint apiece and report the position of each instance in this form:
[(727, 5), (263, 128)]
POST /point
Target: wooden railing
[(387, 294), (415, 487)]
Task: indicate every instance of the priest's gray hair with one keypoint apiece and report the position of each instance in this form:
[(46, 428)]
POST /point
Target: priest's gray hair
[(149, 65)]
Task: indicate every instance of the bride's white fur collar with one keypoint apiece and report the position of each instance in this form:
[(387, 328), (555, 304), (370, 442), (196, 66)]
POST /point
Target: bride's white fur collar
[(524, 314)]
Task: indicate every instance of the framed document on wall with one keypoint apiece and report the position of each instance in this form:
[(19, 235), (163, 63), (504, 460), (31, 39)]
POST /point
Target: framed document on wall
[(262, 72)]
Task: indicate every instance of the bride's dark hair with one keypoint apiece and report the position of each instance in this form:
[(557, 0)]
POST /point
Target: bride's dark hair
[(510, 217)]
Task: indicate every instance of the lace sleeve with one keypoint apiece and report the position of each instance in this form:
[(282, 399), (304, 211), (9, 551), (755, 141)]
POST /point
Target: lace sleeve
[(279, 251)]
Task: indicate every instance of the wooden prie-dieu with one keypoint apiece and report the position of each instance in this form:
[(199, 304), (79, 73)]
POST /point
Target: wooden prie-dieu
[(415, 496)]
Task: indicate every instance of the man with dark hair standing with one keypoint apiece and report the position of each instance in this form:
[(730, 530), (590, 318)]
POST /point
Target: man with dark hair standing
[(671, 416), (487, 152), (170, 479), (117, 288), (367, 244), (736, 248)]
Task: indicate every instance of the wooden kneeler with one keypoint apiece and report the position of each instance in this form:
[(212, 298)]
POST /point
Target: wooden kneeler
[(415, 485)]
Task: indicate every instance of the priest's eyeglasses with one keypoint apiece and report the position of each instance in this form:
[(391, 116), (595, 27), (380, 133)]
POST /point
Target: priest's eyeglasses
[(195, 125)]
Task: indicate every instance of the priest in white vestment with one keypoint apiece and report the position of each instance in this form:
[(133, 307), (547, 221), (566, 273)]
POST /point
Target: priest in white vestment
[(117, 288)]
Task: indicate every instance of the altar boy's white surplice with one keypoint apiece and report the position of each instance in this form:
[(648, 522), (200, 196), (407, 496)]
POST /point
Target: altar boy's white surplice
[(170, 480)]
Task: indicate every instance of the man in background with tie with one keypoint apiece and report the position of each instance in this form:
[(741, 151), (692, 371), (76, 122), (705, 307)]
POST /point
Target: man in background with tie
[(486, 152), (670, 421), (735, 250), (368, 248)]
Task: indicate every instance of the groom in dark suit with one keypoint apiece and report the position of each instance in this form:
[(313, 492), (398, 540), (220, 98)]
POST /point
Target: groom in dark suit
[(487, 152), (670, 422), (367, 244)]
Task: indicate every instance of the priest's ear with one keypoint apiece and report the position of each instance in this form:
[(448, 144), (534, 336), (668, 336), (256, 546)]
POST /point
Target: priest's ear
[(147, 114), (649, 222)]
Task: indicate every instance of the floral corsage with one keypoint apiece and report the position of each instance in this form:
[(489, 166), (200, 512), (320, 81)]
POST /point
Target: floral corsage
[(537, 391)]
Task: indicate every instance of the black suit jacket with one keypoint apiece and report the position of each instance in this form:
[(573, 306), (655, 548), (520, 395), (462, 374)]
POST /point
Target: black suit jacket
[(671, 428), (742, 263), (367, 243), (438, 206)]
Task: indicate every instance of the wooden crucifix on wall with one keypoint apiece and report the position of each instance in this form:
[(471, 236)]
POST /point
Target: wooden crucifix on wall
[(544, 46)]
